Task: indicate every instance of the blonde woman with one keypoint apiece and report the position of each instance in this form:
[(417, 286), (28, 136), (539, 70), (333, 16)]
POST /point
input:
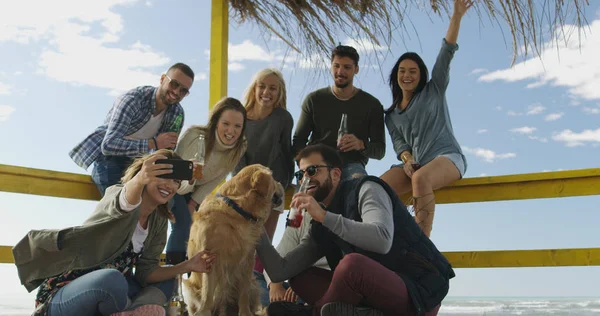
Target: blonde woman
[(225, 145), (88, 269), (269, 135)]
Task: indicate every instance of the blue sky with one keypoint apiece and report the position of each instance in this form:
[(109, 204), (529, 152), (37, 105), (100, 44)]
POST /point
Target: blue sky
[(63, 63)]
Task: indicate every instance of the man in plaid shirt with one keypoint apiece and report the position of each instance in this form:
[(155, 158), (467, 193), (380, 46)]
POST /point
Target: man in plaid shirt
[(142, 120)]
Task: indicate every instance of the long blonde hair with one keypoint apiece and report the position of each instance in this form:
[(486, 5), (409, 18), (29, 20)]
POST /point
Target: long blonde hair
[(249, 96), (136, 166)]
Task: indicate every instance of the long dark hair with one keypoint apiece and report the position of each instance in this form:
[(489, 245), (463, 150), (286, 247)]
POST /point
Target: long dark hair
[(393, 80)]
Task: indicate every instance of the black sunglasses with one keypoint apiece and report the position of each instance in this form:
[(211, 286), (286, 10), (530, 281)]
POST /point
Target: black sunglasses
[(174, 84), (311, 171)]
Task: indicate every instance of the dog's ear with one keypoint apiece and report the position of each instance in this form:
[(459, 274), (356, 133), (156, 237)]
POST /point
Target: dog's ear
[(262, 182)]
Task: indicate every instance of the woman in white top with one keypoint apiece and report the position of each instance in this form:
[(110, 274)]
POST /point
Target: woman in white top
[(225, 144)]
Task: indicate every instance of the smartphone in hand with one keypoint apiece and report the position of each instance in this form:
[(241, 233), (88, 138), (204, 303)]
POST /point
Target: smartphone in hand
[(182, 169)]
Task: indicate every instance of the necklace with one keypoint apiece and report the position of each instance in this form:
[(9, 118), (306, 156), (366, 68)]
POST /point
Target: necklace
[(354, 90)]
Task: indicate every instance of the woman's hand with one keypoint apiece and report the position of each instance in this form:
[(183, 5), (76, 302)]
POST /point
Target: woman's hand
[(201, 262), (150, 171), (461, 7), (409, 167)]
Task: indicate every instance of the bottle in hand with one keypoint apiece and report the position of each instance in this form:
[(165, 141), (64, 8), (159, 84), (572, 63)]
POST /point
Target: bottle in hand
[(343, 129), (295, 216), (199, 158)]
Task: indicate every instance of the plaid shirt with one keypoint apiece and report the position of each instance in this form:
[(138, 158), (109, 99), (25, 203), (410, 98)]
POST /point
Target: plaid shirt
[(129, 113)]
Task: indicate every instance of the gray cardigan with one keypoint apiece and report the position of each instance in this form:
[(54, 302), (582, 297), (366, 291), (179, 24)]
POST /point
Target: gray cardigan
[(270, 144)]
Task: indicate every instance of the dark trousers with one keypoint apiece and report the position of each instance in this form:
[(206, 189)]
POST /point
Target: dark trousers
[(108, 171), (357, 280)]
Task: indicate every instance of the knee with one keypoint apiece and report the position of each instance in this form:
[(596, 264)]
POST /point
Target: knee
[(112, 281), (351, 263), (166, 287), (420, 181)]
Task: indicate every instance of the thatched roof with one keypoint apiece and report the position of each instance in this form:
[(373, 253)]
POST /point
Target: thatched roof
[(312, 26)]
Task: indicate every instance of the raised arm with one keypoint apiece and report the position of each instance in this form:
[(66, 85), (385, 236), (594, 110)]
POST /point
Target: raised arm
[(460, 8)]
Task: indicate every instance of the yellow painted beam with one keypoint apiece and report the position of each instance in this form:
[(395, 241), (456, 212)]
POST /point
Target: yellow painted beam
[(521, 187), (484, 259), (483, 189), (219, 39), (47, 182), (525, 258), (6, 255)]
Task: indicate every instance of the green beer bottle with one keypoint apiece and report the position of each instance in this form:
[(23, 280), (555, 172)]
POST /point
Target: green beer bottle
[(176, 126)]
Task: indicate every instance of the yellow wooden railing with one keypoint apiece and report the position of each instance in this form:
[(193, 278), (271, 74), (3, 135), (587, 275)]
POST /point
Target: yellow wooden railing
[(483, 189)]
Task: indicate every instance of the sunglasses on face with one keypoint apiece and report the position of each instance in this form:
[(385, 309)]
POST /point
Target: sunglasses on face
[(174, 84), (310, 171)]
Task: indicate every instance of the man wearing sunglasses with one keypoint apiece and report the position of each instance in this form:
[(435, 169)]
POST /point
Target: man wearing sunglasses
[(140, 121), (322, 112), (381, 262)]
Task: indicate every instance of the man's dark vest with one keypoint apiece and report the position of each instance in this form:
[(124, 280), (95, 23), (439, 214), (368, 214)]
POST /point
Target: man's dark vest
[(425, 271)]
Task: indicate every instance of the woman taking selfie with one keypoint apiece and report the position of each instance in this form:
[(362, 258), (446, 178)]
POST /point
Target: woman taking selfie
[(88, 269)]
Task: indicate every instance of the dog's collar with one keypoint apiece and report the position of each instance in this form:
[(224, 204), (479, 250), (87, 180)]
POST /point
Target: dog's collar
[(237, 208)]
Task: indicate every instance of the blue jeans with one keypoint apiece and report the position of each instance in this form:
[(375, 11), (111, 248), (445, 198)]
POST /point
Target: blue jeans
[(180, 230), (100, 292), (352, 169), (108, 171)]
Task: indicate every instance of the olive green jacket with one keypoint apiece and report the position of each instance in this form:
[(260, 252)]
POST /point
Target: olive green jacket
[(100, 239)]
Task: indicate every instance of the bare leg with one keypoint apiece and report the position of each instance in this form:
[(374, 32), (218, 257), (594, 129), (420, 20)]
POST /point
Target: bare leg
[(398, 180), (437, 174)]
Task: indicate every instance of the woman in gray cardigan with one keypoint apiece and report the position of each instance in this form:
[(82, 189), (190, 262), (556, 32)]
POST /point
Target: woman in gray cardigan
[(419, 124), (269, 135), (88, 269)]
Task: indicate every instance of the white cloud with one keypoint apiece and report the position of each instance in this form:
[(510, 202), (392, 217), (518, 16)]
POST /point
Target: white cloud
[(5, 89), (481, 131), (535, 109), (488, 155), (5, 112), (573, 139), (513, 113), (565, 61), (363, 45), (235, 67), (499, 108), (591, 110), (249, 51), (18, 73), (523, 130), (554, 116), (149, 4), (478, 71), (541, 139), (483, 174), (71, 54), (200, 76)]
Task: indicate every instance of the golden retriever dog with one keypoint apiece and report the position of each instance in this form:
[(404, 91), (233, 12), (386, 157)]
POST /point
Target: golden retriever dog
[(229, 225)]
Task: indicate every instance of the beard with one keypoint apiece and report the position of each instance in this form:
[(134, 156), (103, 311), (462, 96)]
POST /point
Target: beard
[(323, 190), (162, 94), (342, 85)]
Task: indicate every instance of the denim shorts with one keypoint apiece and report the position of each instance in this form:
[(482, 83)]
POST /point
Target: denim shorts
[(455, 158)]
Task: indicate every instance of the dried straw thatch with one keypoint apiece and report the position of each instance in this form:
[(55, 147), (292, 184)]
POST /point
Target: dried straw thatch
[(312, 26)]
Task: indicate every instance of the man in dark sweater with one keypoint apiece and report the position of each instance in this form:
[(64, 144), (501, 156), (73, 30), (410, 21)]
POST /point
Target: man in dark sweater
[(381, 262), (322, 112)]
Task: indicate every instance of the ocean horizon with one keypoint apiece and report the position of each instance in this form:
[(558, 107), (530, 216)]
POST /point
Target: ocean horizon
[(22, 305)]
